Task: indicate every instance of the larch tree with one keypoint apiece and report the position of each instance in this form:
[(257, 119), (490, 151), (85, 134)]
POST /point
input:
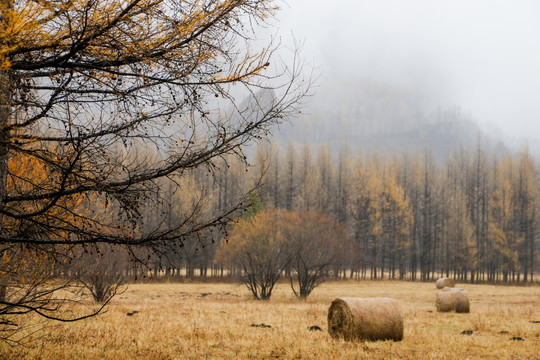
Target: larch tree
[(269, 159), (344, 185), (85, 82), (325, 199), (406, 175), (368, 216), (502, 234), (397, 221), (426, 212), (526, 203), (291, 177), (477, 202), (307, 180), (460, 235)]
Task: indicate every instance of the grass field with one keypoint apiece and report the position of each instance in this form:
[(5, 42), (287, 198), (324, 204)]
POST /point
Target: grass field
[(212, 321)]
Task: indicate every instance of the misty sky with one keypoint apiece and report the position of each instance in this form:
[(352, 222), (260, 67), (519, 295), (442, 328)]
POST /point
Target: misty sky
[(481, 55)]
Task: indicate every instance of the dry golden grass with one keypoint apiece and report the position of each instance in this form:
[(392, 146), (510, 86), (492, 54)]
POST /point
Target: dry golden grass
[(177, 321)]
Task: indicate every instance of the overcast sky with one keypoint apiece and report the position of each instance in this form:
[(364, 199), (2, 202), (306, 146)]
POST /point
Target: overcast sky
[(481, 55)]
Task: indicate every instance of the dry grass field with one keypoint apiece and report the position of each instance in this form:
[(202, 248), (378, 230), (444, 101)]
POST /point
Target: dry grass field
[(213, 321)]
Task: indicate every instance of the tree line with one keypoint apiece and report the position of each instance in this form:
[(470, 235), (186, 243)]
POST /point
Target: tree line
[(473, 217)]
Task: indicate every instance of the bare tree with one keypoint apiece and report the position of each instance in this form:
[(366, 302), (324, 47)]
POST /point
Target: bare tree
[(102, 273), (27, 275), (316, 242), (258, 250)]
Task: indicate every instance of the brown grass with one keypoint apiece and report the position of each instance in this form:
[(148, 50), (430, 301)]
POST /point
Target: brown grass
[(445, 282), (175, 321), (365, 319)]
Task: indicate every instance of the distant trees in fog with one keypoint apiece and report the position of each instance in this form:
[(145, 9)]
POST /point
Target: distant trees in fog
[(473, 217)]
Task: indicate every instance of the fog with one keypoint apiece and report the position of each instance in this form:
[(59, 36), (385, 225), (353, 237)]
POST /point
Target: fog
[(483, 56)]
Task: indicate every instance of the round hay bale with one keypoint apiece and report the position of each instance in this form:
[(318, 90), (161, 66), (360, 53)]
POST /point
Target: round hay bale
[(445, 282), (457, 301), (365, 319), (446, 288)]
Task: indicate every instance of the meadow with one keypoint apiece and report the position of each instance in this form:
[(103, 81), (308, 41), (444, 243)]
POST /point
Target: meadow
[(216, 321)]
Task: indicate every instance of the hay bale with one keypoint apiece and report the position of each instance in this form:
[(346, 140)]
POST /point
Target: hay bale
[(446, 288), (365, 319), (445, 282), (457, 301)]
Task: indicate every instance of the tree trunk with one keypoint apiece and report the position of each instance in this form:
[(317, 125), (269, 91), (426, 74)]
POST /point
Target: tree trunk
[(6, 94)]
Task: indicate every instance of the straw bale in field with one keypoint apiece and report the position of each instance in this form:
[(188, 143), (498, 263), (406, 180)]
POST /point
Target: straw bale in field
[(445, 282), (365, 319), (457, 301), (446, 288)]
